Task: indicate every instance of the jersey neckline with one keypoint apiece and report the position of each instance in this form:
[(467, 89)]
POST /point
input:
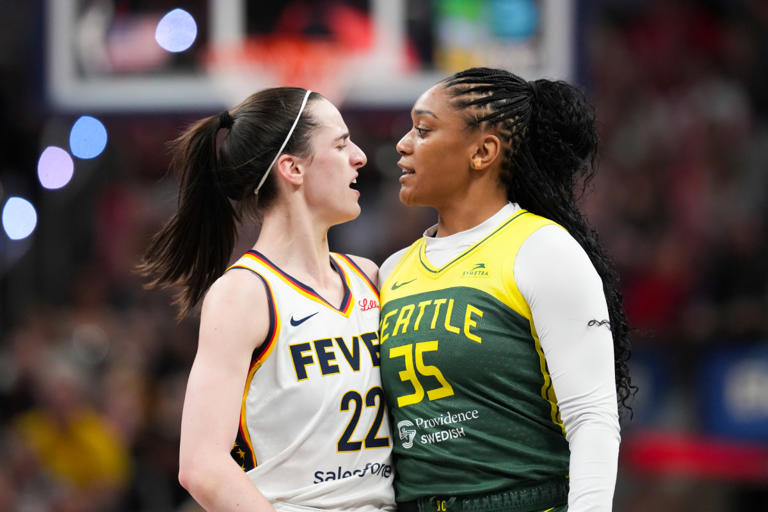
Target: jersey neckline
[(346, 302), (434, 271)]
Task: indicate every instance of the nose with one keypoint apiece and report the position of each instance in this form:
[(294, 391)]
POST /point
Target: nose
[(403, 146), (358, 157)]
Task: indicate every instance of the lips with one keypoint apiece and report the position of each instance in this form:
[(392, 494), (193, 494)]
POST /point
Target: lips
[(406, 169), (352, 185)]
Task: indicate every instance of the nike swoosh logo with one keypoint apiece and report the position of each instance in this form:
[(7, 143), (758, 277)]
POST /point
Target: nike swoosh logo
[(398, 285), (300, 321)]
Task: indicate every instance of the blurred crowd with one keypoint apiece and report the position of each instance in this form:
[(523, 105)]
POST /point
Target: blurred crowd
[(93, 366), (681, 196)]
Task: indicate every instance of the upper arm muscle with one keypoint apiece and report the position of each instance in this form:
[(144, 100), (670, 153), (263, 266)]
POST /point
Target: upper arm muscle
[(229, 333)]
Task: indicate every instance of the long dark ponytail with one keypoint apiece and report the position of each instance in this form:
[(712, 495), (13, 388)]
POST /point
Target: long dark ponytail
[(219, 161), (550, 153)]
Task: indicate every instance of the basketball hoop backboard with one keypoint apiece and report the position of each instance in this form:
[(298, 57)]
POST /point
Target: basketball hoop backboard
[(372, 52)]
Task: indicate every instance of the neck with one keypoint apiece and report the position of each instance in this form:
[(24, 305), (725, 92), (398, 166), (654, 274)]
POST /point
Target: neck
[(290, 237), (468, 212)]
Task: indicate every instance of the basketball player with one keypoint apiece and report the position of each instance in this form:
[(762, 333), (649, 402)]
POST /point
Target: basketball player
[(284, 409), (503, 340)]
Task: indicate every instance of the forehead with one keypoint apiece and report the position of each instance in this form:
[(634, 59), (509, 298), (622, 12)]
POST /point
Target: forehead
[(437, 101), (327, 117)]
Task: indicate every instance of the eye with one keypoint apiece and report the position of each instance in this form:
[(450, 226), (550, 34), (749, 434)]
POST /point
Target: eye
[(421, 131)]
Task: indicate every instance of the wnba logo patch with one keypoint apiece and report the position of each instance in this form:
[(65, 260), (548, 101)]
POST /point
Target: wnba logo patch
[(407, 432), (478, 270)]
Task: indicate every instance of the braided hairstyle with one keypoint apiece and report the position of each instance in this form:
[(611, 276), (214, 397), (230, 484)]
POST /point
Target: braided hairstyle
[(549, 144), (220, 161)]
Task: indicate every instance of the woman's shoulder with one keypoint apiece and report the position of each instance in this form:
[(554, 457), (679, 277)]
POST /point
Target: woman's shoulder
[(236, 308), (390, 263), (552, 255), (235, 288), (551, 239), (370, 268)]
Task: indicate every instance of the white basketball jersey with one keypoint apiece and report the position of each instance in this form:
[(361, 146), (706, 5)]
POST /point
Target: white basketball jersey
[(314, 431)]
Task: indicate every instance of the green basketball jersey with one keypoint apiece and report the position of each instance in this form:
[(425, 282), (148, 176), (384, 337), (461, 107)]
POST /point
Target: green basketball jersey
[(467, 385)]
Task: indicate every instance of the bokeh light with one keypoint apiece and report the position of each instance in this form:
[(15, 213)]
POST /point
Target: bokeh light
[(88, 137), (55, 167), (19, 218), (176, 31)]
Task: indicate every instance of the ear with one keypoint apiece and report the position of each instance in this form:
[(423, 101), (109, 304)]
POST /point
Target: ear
[(290, 169), (485, 152)]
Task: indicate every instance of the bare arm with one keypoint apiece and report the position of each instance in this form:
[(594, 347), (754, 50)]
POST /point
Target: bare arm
[(229, 332)]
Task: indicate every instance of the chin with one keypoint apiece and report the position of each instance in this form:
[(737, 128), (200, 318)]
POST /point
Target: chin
[(404, 197), (355, 214), (407, 198), (349, 215)]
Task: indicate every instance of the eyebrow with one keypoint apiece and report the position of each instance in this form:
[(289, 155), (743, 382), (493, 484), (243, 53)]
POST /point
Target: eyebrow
[(420, 112), (341, 137)]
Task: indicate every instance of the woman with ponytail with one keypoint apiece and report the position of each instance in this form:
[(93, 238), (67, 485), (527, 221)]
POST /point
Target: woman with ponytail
[(284, 408), (504, 345)]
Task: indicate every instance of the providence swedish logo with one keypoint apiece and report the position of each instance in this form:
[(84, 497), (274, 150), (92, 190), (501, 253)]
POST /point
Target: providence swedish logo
[(407, 432)]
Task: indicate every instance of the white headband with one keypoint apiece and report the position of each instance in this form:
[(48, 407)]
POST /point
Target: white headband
[(287, 138)]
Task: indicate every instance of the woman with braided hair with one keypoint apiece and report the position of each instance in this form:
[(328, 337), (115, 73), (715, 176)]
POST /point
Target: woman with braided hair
[(284, 408), (503, 342)]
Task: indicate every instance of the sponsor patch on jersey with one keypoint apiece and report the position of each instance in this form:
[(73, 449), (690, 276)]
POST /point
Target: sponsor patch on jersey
[(408, 431), (381, 470), (476, 270), (368, 304)]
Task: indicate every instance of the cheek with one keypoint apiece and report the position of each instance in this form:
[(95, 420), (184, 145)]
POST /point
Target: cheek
[(332, 164), (319, 171), (326, 177), (437, 160), (315, 184), (441, 170), (434, 149)]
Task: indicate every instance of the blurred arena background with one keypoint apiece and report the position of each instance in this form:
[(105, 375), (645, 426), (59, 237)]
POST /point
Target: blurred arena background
[(93, 368)]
